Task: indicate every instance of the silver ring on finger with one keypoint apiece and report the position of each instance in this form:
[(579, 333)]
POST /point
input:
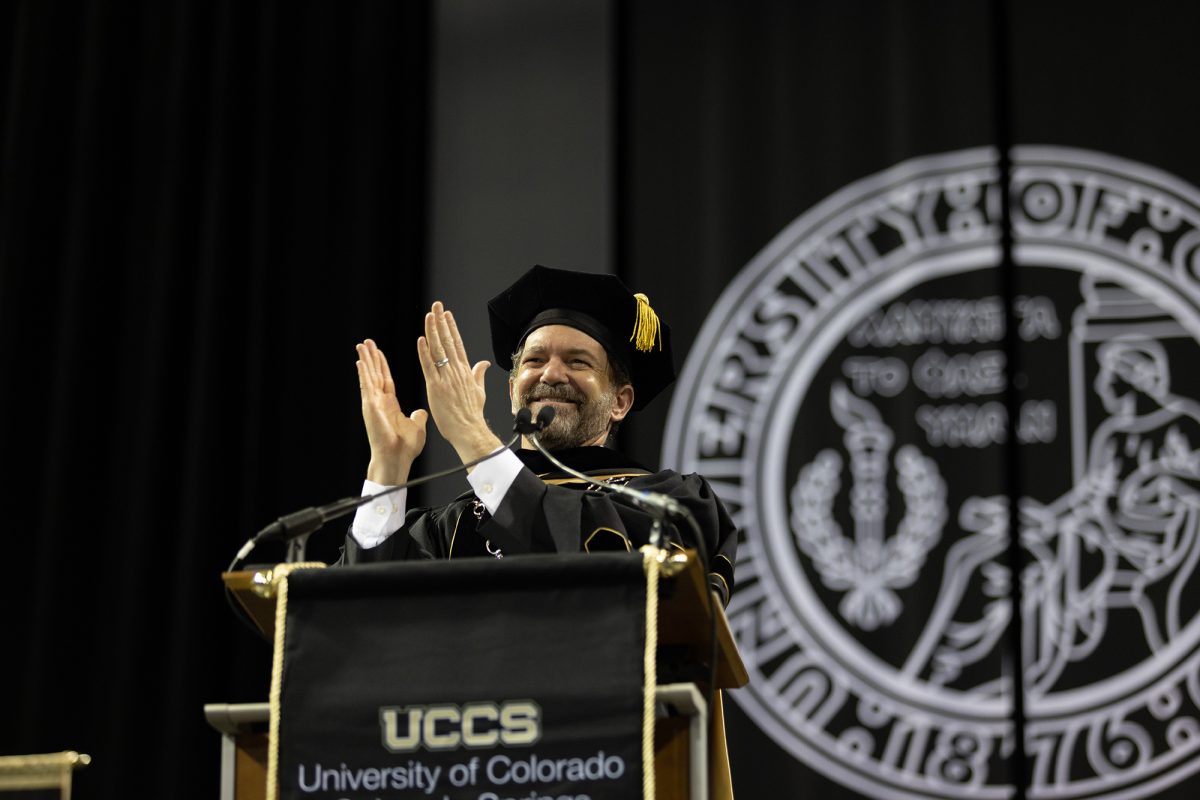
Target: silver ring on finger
[(441, 362)]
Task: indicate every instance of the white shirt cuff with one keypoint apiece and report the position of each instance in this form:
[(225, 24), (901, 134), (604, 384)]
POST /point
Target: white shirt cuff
[(378, 520), (491, 479)]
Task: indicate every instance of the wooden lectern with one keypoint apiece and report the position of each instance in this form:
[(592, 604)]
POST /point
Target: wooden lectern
[(690, 760), (44, 771)]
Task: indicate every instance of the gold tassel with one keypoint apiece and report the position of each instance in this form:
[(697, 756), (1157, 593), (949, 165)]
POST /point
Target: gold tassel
[(645, 329)]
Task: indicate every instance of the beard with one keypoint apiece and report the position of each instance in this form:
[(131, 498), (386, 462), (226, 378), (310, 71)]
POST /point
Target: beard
[(573, 425)]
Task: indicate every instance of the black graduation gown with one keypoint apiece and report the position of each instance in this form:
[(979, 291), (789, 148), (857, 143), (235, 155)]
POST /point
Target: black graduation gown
[(547, 511)]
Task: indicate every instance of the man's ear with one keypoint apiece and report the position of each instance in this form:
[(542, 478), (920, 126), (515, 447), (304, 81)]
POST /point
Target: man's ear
[(622, 402), (512, 400)]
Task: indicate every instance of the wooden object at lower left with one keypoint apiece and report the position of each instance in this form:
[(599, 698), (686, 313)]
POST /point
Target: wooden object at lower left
[(41, 771), (252, 590)]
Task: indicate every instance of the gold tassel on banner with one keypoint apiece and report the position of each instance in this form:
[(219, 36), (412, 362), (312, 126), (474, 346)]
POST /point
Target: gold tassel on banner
[(652, 560), (645, 329), (278, 581)]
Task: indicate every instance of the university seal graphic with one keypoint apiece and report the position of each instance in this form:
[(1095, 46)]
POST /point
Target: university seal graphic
[(847, 399)]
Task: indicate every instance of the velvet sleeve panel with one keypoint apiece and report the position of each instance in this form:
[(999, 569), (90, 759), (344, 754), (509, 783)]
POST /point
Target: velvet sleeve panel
[(537, 517), (428, 533)]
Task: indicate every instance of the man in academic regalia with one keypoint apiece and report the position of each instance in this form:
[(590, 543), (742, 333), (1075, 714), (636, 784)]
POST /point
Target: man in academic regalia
[(578, 342)]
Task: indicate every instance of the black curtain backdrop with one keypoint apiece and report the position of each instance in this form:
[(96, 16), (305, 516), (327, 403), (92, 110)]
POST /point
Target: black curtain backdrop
[(737, 118), (203, 207)]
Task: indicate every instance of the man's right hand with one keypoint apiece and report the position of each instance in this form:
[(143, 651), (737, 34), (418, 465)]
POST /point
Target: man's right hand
[(396, 440)]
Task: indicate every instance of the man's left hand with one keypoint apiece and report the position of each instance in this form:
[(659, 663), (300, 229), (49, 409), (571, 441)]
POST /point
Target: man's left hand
[(454, 387)]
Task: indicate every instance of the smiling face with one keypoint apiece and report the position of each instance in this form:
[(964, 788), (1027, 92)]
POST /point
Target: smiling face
[(563, 367)]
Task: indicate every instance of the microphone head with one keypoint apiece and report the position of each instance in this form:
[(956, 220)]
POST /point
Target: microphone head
[(545, 417), (524, 421)]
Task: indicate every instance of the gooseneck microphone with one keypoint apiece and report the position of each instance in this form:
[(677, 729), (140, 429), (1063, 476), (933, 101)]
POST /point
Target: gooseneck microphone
[(307, 520), (292, 527), (660, 505), (665, 505)]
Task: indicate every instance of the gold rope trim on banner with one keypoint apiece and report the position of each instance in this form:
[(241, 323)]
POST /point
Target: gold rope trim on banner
[(278, 580), (652, 559)]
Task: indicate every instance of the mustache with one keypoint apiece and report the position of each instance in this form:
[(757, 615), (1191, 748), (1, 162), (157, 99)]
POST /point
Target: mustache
[(562, 392)]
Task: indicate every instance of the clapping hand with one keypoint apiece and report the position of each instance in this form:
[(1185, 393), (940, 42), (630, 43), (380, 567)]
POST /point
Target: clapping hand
[(454, 386), (396, 439)]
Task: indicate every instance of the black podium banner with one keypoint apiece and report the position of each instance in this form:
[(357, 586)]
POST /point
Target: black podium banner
[(474, 680)]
